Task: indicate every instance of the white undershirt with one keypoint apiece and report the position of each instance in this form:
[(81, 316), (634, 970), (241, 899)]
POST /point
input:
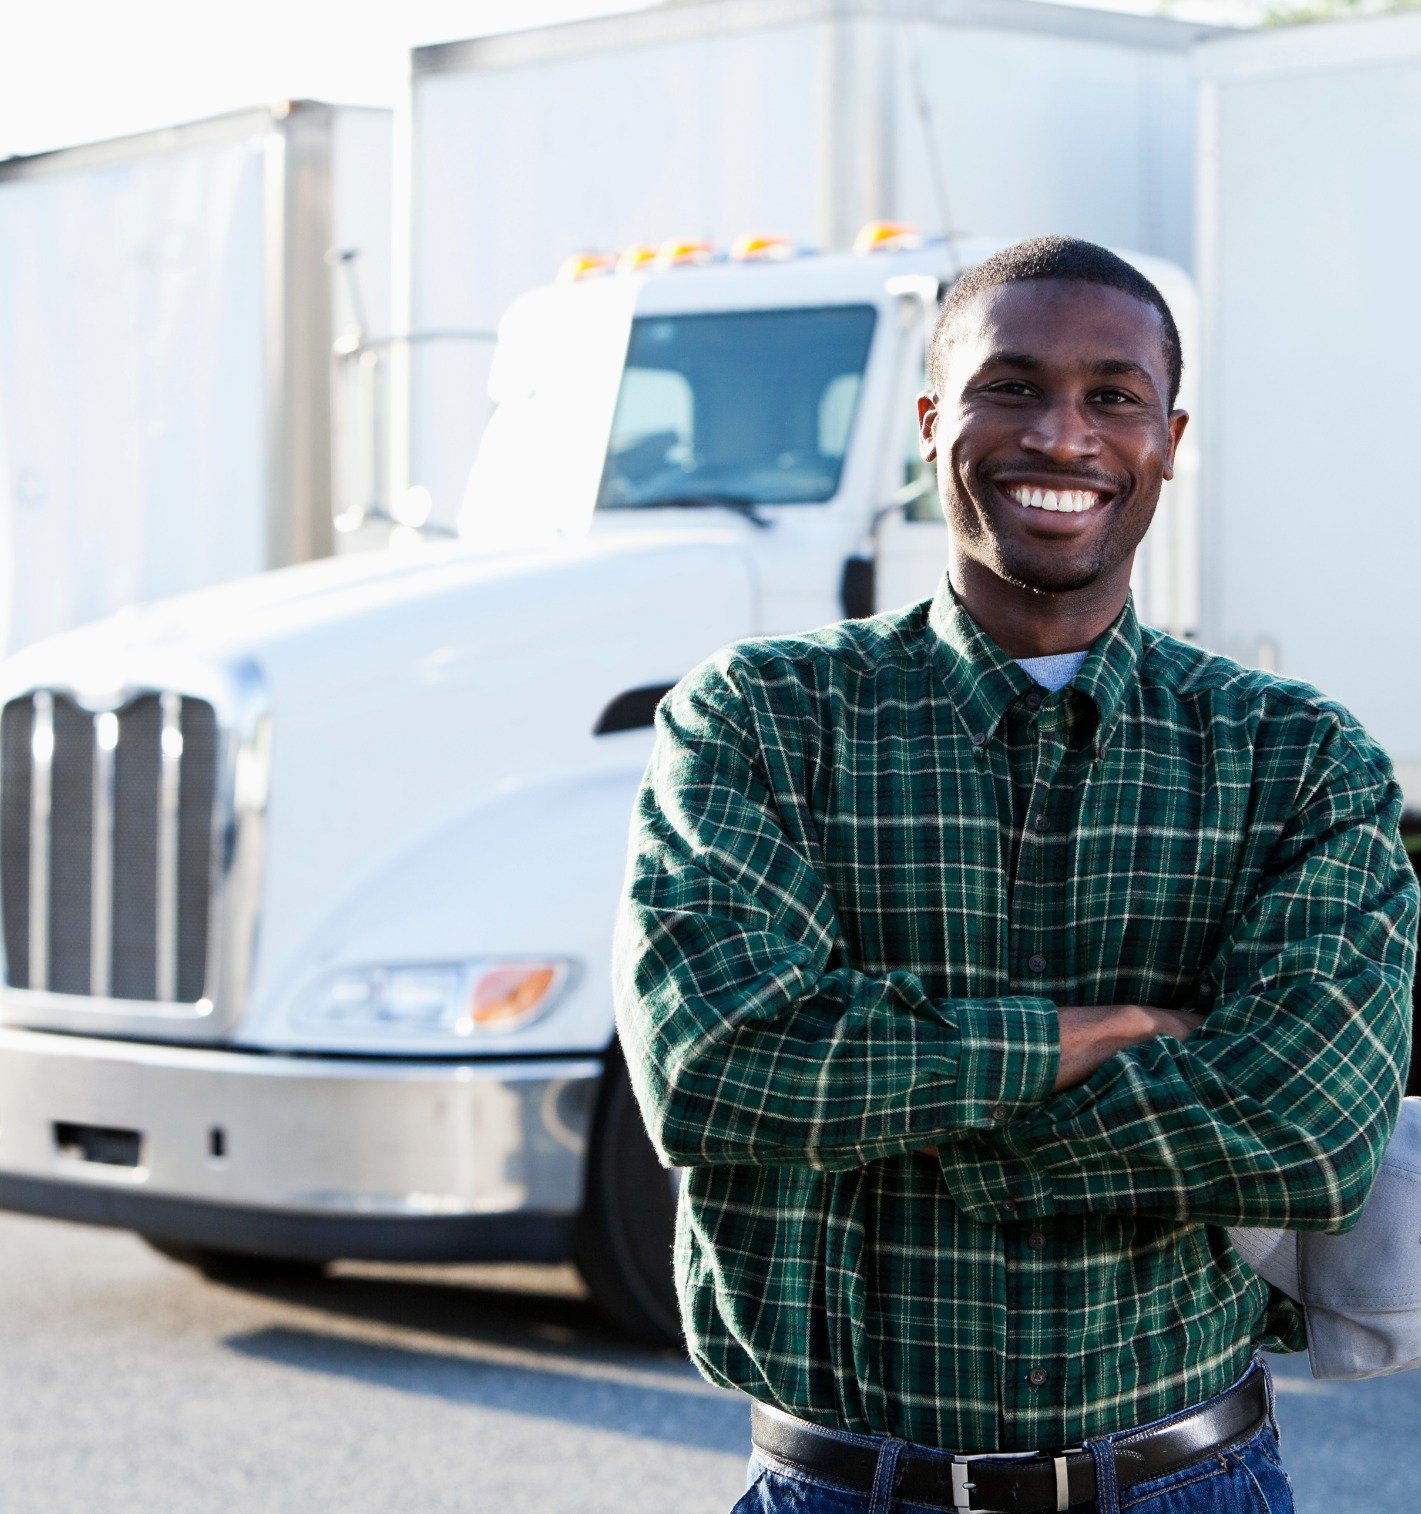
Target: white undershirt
[(1057, 670)]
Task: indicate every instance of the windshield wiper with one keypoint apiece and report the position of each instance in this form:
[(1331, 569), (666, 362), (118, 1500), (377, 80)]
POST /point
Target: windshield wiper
[(741, 504)]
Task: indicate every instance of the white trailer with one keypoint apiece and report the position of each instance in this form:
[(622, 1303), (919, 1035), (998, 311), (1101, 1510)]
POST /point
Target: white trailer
[(802, 118), (166, 321), (1309, 159)]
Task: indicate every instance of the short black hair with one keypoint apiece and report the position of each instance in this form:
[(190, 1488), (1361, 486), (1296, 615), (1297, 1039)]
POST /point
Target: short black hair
[(1054, 258)]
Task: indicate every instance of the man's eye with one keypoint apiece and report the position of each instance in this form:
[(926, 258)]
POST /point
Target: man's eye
[(1114, 397), (1013, 388)]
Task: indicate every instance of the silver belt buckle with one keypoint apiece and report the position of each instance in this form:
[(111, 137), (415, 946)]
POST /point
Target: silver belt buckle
[(962, 1484), (961, 1488)]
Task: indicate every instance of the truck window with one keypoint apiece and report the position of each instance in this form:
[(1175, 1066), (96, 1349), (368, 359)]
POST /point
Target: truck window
[(758, 405), (836, 413), (653, 403)]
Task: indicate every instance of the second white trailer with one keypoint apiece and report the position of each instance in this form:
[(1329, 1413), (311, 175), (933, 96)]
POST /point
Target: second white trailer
[(804, 118), (1310, 151)]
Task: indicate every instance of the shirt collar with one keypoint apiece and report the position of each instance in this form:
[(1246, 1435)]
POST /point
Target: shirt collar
[(983, 681)]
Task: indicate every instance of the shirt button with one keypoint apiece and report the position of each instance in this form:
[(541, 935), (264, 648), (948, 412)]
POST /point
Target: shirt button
[(1009, 1205), (1033, 700), (1036, 1240), (1037, 1376), (1036, 962), (979, 739), (998, 1112), (1040, 821)]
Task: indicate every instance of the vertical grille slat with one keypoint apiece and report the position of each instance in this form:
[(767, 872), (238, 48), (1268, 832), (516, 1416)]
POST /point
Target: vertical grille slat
[(16, 738), (106, 849), (101, 878), (166, 871), (71, 836), (197, 793), (41, 792), (135, 851)]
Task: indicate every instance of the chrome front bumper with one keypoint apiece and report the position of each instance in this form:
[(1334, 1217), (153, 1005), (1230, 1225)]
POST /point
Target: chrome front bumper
[(296, 1155)]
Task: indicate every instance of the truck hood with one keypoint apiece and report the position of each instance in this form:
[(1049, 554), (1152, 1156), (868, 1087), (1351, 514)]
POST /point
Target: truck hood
[(244, 616), (394, 695), (266, 618)]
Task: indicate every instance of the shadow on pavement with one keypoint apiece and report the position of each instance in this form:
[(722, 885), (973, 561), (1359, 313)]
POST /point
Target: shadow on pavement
[(542, 1351), (572, 1389), (552, 1318)]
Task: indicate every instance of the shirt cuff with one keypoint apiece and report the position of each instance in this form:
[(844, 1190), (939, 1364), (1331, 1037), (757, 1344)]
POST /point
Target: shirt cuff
[(992, 1186), (1009, 1052)]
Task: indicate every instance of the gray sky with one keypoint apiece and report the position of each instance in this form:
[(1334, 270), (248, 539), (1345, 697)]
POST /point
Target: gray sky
[(79, 70)]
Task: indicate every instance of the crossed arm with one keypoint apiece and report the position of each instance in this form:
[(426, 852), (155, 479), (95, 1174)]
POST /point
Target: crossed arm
[(745, 1047), (1091, 1034)]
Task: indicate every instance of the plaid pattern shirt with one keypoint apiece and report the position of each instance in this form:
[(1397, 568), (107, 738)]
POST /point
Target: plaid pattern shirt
[(867, 865)]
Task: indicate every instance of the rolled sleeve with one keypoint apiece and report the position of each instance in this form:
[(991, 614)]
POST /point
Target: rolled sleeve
[(1009, 1055), (744, 1044), (1278, 1112)]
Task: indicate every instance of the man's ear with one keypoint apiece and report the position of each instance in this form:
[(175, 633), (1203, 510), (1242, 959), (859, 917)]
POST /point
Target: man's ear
[(927, 427), (1178, 420)]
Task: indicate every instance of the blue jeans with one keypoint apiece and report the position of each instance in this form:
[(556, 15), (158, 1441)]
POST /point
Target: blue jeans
[(1247, 1478)]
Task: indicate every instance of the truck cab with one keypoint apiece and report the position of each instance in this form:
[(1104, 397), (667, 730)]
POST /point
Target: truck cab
[(307, 880), (769, 395)]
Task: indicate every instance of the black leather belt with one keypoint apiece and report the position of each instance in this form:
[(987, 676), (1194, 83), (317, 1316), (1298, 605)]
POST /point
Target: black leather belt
[(1036, 1481)]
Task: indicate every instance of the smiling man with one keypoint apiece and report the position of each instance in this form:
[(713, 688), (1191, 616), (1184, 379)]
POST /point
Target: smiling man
[(982, 961)]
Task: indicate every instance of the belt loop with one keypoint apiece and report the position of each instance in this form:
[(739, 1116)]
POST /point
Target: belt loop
[(1107, 1489), (885, 1477), (1262, 1366), (1063, 1483)]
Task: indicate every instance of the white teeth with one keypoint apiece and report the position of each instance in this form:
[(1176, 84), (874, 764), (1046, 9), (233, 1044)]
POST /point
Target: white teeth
[(1070, 500)]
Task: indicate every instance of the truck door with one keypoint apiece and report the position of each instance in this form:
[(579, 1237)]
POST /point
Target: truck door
[(912, 535)]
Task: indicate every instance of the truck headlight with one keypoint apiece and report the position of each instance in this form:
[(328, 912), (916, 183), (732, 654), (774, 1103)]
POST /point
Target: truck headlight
[(463, 999)]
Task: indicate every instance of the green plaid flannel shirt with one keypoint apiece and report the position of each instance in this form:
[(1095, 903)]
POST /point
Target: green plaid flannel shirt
[(867, 863)]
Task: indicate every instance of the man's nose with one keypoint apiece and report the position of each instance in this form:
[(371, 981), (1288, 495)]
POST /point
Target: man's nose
[(1063, 430)]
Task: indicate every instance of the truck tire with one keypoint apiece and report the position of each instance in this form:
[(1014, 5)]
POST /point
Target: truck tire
[(623, 1242), (237, 1266)]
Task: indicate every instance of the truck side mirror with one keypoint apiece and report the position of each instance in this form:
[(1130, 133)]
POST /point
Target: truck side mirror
[(856, 587), (858, 583)]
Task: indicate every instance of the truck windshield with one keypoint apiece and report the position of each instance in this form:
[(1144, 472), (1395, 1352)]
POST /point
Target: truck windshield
[(743, 408)]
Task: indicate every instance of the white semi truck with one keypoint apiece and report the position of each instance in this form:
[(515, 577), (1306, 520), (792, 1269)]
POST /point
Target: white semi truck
[(308, 880)]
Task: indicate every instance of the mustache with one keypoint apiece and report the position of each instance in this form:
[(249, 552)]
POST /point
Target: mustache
[(1080, 477)]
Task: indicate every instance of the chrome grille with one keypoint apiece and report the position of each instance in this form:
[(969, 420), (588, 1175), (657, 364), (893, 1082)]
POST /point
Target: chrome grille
[(106, 836)]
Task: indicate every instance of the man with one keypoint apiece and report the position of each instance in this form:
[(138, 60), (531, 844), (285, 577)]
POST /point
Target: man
[(982, 961)]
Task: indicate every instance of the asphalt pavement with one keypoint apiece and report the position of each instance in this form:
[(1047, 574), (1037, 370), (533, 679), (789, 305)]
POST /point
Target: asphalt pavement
[(129, 1385)]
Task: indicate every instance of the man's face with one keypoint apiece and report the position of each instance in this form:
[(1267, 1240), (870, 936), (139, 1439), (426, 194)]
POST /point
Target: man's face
[(1054, 392)]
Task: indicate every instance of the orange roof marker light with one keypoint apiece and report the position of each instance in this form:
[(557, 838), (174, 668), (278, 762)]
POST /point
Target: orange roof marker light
[(678, 253), (751, 247), (582, 265), (888, 236), (635, 258)]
